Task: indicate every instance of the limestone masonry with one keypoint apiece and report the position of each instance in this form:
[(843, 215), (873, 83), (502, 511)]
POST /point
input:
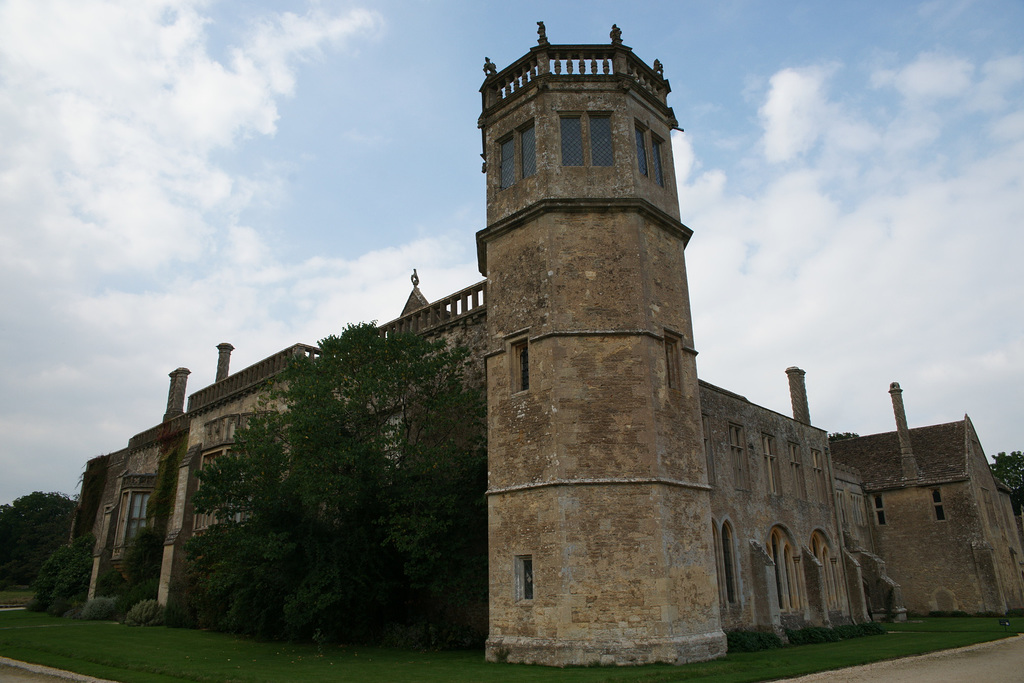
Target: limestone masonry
[(635, 512)]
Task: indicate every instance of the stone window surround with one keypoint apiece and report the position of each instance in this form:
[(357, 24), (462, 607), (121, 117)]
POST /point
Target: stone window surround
[(586, 142), (520, 169), (523, 578)]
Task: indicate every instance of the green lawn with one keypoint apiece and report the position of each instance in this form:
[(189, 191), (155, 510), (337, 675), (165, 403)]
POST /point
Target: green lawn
[(162, 655), (15, 596)]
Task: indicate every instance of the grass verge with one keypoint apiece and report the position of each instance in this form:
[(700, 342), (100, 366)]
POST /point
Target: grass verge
[(16, 596), (162, 655)]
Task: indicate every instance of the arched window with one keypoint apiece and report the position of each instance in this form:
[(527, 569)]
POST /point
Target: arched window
[(787, 573), (819, 546), (728, 563)]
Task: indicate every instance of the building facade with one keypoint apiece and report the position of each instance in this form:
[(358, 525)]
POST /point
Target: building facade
[(635, 512)]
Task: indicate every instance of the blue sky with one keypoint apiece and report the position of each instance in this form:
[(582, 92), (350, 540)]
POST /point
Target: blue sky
[(176, 174)]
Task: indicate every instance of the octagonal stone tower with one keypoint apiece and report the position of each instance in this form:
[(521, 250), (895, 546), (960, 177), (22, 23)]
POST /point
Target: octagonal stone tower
[(598, 500)]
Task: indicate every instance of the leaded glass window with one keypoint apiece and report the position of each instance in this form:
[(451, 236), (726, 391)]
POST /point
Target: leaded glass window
[(508, 163), (656, 158), (572, 141), (528, 143), (601, 141), (641, 152)]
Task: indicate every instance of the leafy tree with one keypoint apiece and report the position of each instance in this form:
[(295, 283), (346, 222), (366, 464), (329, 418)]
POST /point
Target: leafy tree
[(1009, 467), (65, 574), (354, 506), (30, 529), (842, 436)]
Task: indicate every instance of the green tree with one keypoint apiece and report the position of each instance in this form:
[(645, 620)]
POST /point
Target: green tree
[(353, 500), (842, 436), (65, 574), (30, 529), (1009, 467)]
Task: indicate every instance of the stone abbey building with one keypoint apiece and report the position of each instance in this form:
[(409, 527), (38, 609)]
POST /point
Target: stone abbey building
[(636, 513)]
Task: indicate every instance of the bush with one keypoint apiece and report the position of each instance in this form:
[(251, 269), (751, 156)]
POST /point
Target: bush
[(752, 641), (58, 607), (147, 590), (425, 636), (111, 584), (954, 613), (177, 614), (145, 613), (872, 628), (65, 574), (1015, 612), (811, 635), (99, 609)]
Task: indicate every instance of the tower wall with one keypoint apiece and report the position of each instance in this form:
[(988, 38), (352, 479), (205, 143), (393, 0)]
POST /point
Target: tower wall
[(599, 509)]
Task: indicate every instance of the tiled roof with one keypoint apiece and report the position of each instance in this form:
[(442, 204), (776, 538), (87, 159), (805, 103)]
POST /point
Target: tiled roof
[(939, 451)]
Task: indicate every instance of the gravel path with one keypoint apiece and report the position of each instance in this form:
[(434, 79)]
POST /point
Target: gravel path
[(1000, 661)]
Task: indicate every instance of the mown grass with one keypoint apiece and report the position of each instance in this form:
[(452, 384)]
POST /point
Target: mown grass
[(16, 596), (162, 655)]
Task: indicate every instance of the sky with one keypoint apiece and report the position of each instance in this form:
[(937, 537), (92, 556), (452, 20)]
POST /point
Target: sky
[(179, 173)]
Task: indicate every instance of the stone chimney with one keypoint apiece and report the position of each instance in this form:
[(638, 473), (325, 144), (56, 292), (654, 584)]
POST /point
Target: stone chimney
[(907, 461), (798, 395), (176, 394), (223, 360)]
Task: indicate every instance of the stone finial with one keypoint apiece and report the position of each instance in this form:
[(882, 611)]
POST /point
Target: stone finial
[(798, 395), (223, 360), (542, 34), (616, 35), (658, 68), (907, 461), (489, 68), (176, 393), (415, 278)]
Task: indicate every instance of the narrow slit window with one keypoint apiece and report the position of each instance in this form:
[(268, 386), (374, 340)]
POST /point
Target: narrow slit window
[(940, 513), (879, 511), (520, 366), (672, 365), (771, 463), (705, 424), (528, 144), (572, 141), (727, 563), (508, 163), (739, 456), (656, 159), (641, 152), (601, 141), (524, 577)]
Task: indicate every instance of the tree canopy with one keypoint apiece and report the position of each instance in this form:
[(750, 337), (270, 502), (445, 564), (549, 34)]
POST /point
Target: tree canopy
[(30, 529), (842, 436), (353, 499), (1009, 467)]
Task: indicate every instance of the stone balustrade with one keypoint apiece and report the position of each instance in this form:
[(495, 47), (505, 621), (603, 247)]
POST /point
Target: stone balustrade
[(450, 309), (554, 61), (246, 379)]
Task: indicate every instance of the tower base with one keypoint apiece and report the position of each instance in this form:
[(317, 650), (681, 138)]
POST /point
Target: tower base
[(620, 652)]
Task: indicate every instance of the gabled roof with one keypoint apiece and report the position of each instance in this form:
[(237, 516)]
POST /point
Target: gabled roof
[(415, 301), (940, 452)]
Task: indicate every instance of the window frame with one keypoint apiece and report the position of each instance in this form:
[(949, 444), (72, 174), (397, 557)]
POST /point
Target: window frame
[(738, 451), (519, 364), (523, 578), (771, 462)]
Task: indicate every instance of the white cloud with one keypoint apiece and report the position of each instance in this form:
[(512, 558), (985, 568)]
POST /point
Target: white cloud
[(794, 112)]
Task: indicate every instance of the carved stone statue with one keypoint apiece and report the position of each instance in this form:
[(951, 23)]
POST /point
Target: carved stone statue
[(489, 68), (658, 68), (415, 278), (616, 35), (542, 34)]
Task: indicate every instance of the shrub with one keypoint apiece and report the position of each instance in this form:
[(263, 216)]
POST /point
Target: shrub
[(872, 628), (752, 641), (811, 635), (177, 614), (425, 636), (111, 584), (99, 609), (147, 590), (943, 613), (65, 574), (145, 613), (58, 607), (1015, 612)]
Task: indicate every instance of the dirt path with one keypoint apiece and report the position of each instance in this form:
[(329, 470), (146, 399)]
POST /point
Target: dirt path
[(1000, 661)]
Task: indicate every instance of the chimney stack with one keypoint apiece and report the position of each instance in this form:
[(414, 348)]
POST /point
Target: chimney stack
[(223, 360), (907, 461), (798, 395), (176, 393)]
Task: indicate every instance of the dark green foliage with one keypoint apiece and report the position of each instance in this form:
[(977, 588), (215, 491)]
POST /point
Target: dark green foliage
[(1015, 612), (752, 641), (427, 637), (65, 574), (811, 635), (99, 609), (1009, 467), (143, 557), (842, 436), (158, 510), (32, 528), (111, 584), (364, 496), (945, 613), (94, 479), (146, 590), (872, 628), (145, 613)]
